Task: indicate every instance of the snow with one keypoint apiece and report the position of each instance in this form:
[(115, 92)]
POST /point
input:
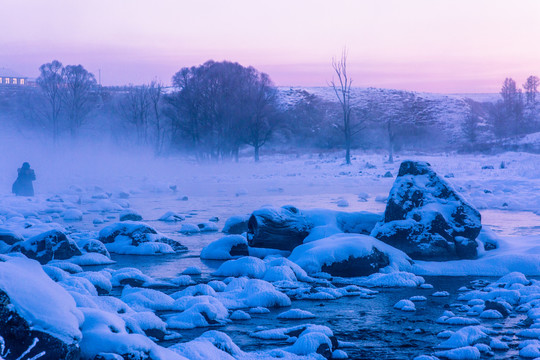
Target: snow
[(296, 314), (240, 315), (245, 266), (405, 305), (73, 215), (53, 311), (464, 353), (106, 332)]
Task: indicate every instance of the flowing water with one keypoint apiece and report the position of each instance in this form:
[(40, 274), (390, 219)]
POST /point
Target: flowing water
[(371, 327)]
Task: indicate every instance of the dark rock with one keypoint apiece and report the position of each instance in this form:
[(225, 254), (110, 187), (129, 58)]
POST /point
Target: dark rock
[(214, 219), (426, 218), (494, 305), (236, 225), (388, 174), (487, 167), (123, 195), (277, 228), (355, 266), (47, 246), (19, 337), (239, 250)]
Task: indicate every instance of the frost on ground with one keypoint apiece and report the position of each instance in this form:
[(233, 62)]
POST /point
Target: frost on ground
[(207, 278)]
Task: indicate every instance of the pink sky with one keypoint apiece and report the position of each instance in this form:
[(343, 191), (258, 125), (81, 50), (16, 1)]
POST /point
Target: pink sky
[(443, 46)]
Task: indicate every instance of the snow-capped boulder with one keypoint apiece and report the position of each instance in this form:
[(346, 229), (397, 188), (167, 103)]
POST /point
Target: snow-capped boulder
[(129, 215), (207, 226), (277, 228), (348, 255), (95, 246), (236, 225), (188, 229), (72, 215), (426, 218), (36, 313), (52, 244), (8, 238), (226, 248), (171, 216), (132, 237)]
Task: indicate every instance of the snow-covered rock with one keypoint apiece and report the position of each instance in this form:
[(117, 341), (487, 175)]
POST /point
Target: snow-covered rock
[(348, 255), (34, 310), (171, 216), (426, 218), (188, 229), (137, 238), (226, 248), (129, 215), (208, 226), (296, 314), (236, 225), (72, 215), (49, 245)]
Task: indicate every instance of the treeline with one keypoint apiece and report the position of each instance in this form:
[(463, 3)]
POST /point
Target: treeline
[(516, 113), (215, 110)]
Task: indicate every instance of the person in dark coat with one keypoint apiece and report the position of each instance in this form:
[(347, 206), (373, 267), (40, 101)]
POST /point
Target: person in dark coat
[(23, 185)]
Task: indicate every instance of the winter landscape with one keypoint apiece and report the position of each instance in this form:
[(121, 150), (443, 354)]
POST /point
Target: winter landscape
[(197, 209)]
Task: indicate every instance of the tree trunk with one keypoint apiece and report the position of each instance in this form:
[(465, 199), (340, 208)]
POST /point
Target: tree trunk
[(256, 151), (348, 146), (390, 143)]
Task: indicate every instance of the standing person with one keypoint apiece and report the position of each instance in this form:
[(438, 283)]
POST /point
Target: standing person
[(23, 185)]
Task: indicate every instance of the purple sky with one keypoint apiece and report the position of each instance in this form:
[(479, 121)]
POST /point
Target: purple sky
[(442, 46)]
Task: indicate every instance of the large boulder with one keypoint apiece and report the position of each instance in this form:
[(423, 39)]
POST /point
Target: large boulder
[(426, 218), (131, 237), (52, 244), (348, 255), (36, 314), (278, 228)]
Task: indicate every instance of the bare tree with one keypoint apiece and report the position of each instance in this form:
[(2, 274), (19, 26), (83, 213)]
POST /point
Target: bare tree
[(155, 94), (50, 82), (77, 95), (135, 108), (342, 89), (262, 114)]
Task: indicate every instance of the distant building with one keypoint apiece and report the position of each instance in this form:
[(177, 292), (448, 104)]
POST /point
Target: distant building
[(9, 77)]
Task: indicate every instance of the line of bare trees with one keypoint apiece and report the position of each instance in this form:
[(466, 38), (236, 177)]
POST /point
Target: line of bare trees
[(218, 108)]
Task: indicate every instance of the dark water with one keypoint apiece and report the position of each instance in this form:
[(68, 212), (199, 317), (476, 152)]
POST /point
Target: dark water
[(374, 329)]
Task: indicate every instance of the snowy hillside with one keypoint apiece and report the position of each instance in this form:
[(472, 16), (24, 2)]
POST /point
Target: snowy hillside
[(448, 111)]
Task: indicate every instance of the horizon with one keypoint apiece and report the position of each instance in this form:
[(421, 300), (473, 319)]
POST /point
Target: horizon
[(446, 47)]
